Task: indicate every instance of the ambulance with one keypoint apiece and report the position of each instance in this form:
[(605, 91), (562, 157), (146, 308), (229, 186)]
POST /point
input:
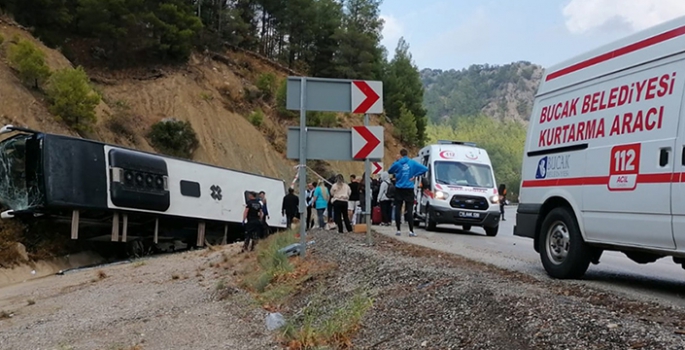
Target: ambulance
[(459, 188), (604, 159)]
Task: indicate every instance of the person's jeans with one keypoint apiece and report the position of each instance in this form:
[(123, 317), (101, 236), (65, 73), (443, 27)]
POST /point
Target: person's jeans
[(404, 196), (319, 217), (386, 211), (289, 220), (310, 223), (341, 216)]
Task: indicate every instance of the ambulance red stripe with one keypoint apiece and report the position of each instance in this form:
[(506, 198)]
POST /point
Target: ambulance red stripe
[(603, 180), (657, 39)]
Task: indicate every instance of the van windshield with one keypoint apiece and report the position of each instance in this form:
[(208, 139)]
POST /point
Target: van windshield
[(463, 174)]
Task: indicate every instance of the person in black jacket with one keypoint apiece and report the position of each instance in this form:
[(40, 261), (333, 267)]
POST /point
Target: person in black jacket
[(252, 219), (502, 199), (290, 205)]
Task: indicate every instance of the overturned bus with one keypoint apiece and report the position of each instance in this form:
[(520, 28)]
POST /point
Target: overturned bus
[(110, 193)]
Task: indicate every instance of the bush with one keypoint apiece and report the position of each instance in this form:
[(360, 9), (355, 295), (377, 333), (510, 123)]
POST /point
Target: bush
[(281, 97), (257, 118), (266, 83), (322, 119), (29, 60), (174, 137), (72, 99)]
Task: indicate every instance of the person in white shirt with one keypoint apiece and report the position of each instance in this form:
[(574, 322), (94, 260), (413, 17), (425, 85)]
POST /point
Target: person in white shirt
[(310, 204)]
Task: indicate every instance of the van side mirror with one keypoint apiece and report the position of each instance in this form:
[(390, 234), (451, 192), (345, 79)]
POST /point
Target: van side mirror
[(425, 183)]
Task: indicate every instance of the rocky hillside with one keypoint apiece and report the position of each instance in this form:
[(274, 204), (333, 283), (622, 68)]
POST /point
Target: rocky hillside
[(503, 92), (236, 125)]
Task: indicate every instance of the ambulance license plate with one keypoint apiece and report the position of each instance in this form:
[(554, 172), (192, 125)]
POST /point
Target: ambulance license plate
[(469, 214)]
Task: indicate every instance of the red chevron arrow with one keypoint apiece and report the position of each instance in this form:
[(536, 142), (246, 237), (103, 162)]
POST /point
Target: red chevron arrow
[(378, 168), (371, 142), (371, 96)]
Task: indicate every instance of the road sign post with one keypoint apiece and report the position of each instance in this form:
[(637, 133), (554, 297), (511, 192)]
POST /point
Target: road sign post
[(369, 147), (360, 143), (303, 166)]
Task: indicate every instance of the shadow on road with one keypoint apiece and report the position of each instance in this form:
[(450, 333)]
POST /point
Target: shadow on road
[(649, 284), (446, 229)]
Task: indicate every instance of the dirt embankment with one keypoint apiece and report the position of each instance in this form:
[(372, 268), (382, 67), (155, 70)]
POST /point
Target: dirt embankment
[(389, 296), (214, 92)]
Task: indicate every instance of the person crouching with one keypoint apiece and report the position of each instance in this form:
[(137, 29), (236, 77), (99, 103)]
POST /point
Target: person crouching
[(252, 219)]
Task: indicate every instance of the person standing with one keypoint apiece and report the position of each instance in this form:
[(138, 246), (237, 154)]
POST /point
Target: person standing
[(330, 210), (354, 196), (310, 204), (252, 220), (321, 199), (385, 198), (405, 170), (502, 190), (340, 194), (289, 208), (265, 214)]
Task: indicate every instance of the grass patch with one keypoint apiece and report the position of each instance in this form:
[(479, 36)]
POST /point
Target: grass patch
[(271, 263), (314, 327)]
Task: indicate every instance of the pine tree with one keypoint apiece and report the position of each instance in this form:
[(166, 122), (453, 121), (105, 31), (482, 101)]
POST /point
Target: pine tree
[(360, 55), (403, 88), (405, 127)]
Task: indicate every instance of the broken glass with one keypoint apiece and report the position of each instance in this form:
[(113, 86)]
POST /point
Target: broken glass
[(18, 187)]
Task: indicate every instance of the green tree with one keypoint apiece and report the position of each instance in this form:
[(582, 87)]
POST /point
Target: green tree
[(72, 99), (174, 137), (360, 55), (328, 21), (403, 88), (29, 61), (405, 127)]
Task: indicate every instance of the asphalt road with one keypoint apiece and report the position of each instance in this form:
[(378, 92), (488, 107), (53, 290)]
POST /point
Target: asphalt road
[(662, 281)]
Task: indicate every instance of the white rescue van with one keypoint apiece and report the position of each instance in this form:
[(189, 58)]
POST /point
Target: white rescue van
[(604, 158), (459, 187)]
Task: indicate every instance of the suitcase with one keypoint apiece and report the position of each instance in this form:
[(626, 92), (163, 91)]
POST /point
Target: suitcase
[(376, 217)]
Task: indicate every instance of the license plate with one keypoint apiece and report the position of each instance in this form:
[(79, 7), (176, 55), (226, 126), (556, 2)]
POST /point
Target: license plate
[(469, 214)]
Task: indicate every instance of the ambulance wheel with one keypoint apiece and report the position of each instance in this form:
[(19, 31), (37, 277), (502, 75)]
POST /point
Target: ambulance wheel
[(563, 252), (491, 231), (430, 223)]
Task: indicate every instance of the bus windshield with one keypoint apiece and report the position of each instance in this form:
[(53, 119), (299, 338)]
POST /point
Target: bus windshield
[(14, 192), (463, 174)]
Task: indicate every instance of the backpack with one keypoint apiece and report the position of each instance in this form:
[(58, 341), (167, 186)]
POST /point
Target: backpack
[(390, 192)]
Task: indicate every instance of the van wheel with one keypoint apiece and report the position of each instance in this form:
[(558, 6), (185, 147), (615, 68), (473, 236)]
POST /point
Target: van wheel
[(466, 227), (430, 223), (563, 252), (491, 231)]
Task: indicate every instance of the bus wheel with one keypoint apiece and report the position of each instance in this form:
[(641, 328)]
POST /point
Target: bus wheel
[(563, 252)]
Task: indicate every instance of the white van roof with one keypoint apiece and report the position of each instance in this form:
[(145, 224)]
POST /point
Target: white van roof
[(461, 152), (647, 45)]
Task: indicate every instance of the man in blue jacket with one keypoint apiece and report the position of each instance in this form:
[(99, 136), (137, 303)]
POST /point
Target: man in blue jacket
[(405, 170)]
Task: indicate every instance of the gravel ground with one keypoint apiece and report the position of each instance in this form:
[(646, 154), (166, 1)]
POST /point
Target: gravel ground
[(160, 303), (428, 300), (423, 299)]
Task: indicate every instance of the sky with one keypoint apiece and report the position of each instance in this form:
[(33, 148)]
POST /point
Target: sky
[(454, 34)]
